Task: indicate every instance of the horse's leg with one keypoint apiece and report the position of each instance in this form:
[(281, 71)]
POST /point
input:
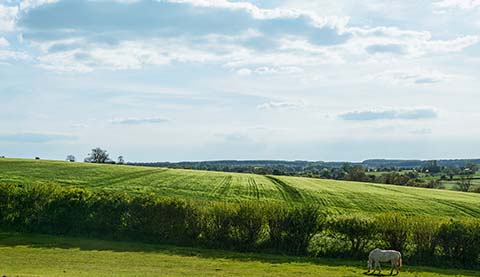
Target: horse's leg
[(393, 262), (379, 268)]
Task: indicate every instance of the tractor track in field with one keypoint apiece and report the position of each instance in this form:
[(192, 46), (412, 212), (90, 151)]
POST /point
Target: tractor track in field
[(464, 209), (289, 193), (124, 177), (253, 188), (223, 186)]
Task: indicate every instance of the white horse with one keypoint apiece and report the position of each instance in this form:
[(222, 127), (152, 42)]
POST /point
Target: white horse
[(378, 255)]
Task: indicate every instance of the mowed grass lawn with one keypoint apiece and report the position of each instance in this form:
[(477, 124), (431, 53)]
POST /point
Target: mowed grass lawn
[(42, 255), (336, 196)]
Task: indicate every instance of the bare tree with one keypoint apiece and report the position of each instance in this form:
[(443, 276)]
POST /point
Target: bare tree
[(464, 183), (71, 158), (97, 155), (120, 160)]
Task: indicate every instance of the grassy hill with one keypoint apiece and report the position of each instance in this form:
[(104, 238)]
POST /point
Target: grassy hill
[(339, 196)]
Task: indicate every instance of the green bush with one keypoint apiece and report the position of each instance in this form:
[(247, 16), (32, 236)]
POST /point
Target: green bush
[(460, 242), (67, 212), (248, 223), (393, 229), (233, 226), (302, 224), (217, 225), (24, 205), (108, 211), (357, 230), (424, 236), (291, 229), (240, 226), (157, 220)]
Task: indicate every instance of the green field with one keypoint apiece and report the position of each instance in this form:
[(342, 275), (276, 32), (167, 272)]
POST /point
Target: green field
[(41, 255), (335, 196)]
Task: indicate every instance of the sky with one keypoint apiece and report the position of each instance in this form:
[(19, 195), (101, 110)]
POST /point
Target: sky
[(172, 80)]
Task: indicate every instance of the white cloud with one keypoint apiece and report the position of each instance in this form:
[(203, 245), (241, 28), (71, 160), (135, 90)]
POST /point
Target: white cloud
[(258, 13), (7, 54), (12, 55), (390, 114), (421, 131), (31, 4), (138, 121), (266, 70), (285, 52), (395, 41), (4, 42), (127, 55), (281, 105), (413, 77), (460, 4), (8, 16), (244, 71)]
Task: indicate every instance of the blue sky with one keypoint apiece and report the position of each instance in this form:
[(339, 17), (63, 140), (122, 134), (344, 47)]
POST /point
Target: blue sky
[(158, 80)]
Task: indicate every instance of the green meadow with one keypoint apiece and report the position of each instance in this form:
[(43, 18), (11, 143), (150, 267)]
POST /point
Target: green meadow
[(45, 255), (42, 255), (334, 196)]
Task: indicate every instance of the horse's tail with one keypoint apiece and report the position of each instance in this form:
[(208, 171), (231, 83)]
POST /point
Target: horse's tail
[(400, 263)]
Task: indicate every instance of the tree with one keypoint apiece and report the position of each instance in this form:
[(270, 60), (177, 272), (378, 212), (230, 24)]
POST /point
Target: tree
[(70, 158), (357, 173), (120, 160), (431, 167), (97, 155), (325, 173), (464, 183), (451, 171), (472, 167)]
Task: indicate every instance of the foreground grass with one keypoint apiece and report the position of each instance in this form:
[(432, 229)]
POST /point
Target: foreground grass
[(42, 255), (336, 196)]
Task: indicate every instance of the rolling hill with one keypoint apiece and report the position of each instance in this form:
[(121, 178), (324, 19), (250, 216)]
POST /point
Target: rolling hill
[(335, 196)]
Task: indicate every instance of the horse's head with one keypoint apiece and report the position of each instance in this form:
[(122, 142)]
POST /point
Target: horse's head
[(369, 263)]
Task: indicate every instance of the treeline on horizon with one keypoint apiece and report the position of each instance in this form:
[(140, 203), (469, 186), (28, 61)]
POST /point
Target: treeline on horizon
[(246, 226), (299, 165)]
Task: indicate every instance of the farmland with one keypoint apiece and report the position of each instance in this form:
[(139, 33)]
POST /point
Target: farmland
[(335, 196), (42, 255), (137, 216)]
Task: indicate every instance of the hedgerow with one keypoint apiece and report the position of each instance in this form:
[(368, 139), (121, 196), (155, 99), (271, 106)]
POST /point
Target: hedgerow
[(244, 226)]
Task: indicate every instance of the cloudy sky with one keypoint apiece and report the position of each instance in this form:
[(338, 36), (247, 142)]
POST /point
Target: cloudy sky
[(158, 80)]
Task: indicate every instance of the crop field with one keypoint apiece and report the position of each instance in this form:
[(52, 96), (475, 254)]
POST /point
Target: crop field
[(43, 255), (335, 196)]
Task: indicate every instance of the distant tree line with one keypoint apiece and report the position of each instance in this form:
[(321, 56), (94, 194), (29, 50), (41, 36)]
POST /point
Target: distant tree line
[(246, 226)]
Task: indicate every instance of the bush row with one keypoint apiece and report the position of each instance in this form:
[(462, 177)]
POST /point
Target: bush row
[(422, 240), (246, 226)]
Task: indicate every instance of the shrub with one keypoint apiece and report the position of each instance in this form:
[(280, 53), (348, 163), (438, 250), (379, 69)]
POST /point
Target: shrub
[(460, 242), (157, 220), (24, 205), (247, 226), (302, 224), (393, 229), (217, 224), (291, 229), (357, 230), (67, 212), (424, 235), (276, 221), (108, 210)]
